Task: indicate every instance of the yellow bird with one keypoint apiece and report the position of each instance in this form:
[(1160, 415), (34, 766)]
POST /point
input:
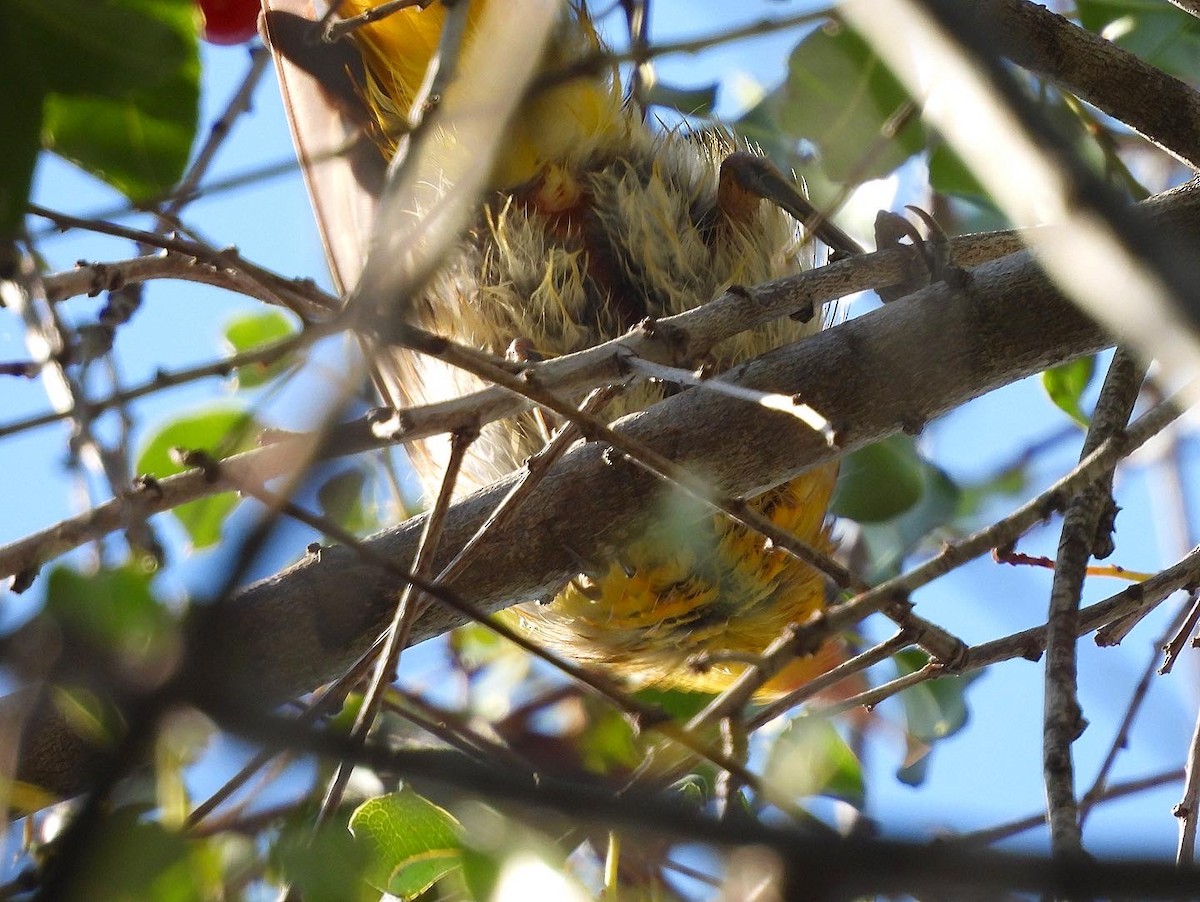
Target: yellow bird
[(594, 220)]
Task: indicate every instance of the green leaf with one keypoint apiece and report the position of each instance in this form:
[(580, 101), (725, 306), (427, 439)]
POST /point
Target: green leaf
[(413, 842), (481, 872), (917, 759), (840, 96), (940, 710), (219, 432), (122, 85), (94, 718), (675, 703), (880, 481), (139, 143), (810, 758), (342, 499), (324, 867), (1066, 384), (106, 48), (760, 128), (948, 174), (933, 710), (252, 331), (343, 721), (1159, 33), (608, 742), (689, 101), (134, 860), (476, 646), (889, 543), (694, 789), (113, 609), (22, 94)]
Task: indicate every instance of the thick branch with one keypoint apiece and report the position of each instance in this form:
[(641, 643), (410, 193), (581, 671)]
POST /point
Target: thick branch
[(1158, 106), (891, 370), (678, 340)]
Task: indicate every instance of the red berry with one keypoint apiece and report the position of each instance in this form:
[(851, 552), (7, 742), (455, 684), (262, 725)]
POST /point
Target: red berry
[(229, 21)]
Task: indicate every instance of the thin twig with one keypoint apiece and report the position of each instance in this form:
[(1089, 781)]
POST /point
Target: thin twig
[(1038, 819), (171, 379), (1120, 740), (871, 697), (302, 297), (535, 469), (1062, 718), (814, 687), (452, 729), (1186, 810), (767, 400), (1002, 532), (92, 278), (336, 29), (1030, 643), (323, 703), (1174, 646), (238, 104), (603, 60), (397, 635)]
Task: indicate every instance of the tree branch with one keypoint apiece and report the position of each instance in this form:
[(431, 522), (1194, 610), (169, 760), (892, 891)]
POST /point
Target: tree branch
[(1160, 107), (1063, 720), (891, 370), (683, 339)]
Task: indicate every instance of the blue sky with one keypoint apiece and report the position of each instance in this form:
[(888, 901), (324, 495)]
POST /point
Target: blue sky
[(988, 773)]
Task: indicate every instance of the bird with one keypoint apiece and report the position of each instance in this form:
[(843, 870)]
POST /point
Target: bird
[(592, 219)]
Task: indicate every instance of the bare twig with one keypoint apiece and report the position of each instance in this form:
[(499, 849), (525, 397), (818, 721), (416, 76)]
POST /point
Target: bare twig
[(164, 380), (1186, 810), (238, 104), (1038, 819), (1030, 643), (93, 278), (323, 703), (536, 469), (397, 635), (1099, 71), (336, 29), (767, 400), (856, 665), (302, 297), (1062, 719), (1120, 739), (1173, 647)]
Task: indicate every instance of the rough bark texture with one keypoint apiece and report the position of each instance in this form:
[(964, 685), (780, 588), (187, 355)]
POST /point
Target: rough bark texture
[(1164, 109)]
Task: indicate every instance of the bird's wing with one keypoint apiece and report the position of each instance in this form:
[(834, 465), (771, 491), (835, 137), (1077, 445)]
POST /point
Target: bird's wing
[(343, 169)]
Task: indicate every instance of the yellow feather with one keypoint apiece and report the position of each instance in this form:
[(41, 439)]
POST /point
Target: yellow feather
[(601, 222), (551, 127)]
